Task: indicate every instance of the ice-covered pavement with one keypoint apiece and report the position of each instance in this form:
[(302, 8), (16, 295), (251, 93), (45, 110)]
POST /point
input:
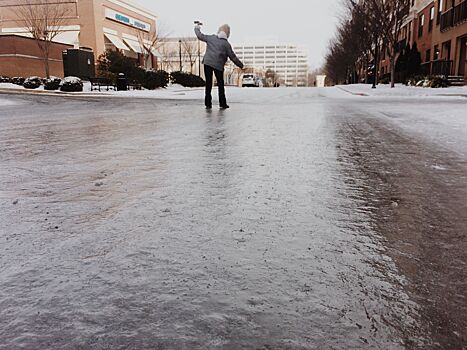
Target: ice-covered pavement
[(298, 219)]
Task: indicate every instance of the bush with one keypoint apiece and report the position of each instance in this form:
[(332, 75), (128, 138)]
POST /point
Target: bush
[(385, 79), (438, 82), (155, 79), (32, 83), (187, 80), (4, 79), (71, 84), (428, 82), (17, 80), (112, 63), (52, 83)]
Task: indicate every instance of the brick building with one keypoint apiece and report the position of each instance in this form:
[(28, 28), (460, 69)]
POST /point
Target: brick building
[(97, 24), (439, 27)]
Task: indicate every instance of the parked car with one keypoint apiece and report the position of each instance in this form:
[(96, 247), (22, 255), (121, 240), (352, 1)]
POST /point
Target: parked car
[(249, 80)]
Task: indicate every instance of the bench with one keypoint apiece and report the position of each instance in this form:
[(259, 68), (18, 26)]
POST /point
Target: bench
[(97, 83), (134, 86)]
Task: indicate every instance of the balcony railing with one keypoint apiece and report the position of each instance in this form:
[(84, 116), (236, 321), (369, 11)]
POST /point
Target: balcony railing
[(439, 67), (454, 16)]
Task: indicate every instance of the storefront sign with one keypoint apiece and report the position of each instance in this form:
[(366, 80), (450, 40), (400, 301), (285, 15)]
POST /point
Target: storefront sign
[(130, 21)]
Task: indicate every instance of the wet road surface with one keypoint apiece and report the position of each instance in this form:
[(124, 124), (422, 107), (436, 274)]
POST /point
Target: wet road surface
[(292, 221)]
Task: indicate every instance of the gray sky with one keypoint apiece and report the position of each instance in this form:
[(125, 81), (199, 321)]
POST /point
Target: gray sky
[(306, 23)]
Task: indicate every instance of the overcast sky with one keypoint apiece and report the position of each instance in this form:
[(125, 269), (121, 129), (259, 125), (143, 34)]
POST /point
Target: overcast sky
[(306, 23)]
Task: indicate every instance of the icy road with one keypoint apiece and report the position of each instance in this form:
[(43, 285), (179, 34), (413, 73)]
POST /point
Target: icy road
[(298, 219)]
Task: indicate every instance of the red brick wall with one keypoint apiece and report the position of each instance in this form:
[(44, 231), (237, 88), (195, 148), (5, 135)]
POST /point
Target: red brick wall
[(424, 41), (20, 56)]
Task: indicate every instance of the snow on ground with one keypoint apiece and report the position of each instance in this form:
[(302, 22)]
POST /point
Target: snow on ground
[(6, 102), (179, 92), (403, 91)]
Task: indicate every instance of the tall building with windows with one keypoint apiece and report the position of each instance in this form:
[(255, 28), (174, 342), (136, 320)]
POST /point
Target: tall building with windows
[(100, 25), (289, 62)]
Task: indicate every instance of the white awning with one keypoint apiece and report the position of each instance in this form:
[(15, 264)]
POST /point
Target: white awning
[(116, 41), (134, 45), (69, 38), (16, 31), (154, 52)]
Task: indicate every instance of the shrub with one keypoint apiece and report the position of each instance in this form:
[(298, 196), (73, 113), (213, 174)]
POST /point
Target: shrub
[(438, 82), (71, 84), (4, 79), (155, 79), (17, 80), (32, 83), (187, 80), (428, 81), (52, 83), (112, 63)]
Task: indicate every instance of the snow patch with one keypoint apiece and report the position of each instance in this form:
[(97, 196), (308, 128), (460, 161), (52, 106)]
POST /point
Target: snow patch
[(72, 80), (404, 91), (5, 102)]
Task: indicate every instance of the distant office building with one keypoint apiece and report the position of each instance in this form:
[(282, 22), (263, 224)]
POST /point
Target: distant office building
[(100, 25), (288, 61)]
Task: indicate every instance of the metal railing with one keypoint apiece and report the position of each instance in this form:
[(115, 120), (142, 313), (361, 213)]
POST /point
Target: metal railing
[(454, 16), (438, 67)]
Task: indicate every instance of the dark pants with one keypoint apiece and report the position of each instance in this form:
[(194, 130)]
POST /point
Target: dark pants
[(208, 71)]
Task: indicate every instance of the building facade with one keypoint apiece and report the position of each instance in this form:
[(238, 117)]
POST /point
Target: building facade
[(288, 61), (96, 24), (439, 29)]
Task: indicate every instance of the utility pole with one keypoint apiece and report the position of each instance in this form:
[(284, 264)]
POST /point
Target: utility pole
[(375, 68), (199, 57), (180, 53)]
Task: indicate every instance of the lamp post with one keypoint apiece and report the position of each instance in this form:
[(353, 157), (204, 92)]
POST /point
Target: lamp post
[(180, 53), (199, 58)]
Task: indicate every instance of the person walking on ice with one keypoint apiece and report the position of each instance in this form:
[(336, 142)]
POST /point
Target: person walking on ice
[(215, 58)]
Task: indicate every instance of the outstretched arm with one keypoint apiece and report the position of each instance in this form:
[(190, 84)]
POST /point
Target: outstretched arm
[(233, 57), (201, 36)]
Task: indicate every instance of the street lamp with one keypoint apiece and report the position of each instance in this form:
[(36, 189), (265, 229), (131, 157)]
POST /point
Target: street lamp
[(199, 57), (180, 53)]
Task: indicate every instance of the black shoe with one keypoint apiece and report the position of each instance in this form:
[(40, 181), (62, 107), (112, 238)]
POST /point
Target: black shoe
[(225, 107), (208, 107)]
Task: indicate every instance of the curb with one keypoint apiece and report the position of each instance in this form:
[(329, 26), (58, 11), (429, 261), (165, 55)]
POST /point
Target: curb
[(366, 95), (353, 93), (82, 94), (48, 93)]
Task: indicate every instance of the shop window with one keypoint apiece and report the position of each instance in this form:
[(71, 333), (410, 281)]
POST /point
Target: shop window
[(440, 10)]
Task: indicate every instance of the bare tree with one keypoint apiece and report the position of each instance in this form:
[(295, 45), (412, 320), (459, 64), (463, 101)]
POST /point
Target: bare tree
[(190, 51), (168, 56), (150, 43), (357, 41), (390, 15), (44, 20)]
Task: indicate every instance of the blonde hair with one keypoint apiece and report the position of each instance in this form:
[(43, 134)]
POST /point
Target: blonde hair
[(226, 29)]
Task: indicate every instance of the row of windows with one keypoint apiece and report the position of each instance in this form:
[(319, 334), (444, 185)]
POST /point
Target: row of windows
[(273, 47), (262, 52)]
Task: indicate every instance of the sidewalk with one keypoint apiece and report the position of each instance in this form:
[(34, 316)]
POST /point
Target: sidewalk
[(403, 91)]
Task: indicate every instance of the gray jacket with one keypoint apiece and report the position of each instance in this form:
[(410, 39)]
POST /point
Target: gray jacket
[(217, 52)]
